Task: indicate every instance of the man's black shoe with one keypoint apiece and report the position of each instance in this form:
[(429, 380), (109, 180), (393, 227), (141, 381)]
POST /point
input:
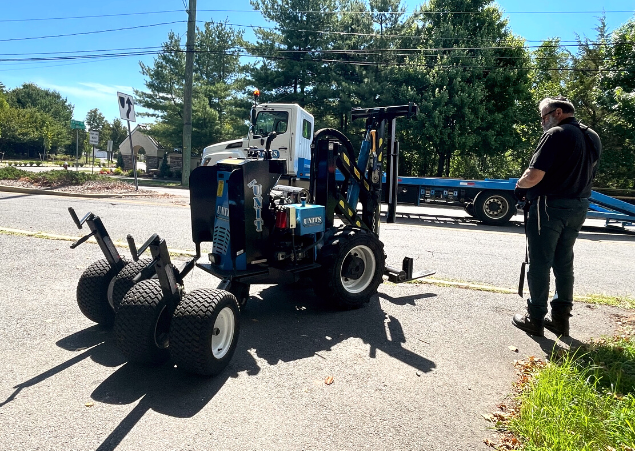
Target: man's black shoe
[(528, 324), (557, 324)]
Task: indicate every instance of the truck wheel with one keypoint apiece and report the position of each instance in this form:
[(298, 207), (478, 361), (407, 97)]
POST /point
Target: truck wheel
[(92, 292), (123, 282), (352, 266), (469, 209), (142, 324), (494, 207), (204, 331)]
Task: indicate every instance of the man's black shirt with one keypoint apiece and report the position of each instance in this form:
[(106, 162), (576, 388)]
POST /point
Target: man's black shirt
[(568, 164)]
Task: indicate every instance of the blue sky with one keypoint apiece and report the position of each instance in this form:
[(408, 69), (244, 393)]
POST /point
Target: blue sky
[(93, 83)]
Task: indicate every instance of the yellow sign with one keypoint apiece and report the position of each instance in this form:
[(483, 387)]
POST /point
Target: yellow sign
[(221, 185)]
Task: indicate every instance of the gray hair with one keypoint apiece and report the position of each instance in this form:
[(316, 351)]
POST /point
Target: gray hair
[(557, 102)]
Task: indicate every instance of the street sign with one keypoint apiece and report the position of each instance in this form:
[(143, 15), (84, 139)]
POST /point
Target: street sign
[(109, 149), (94, 137), (126, 107), (79, 125)]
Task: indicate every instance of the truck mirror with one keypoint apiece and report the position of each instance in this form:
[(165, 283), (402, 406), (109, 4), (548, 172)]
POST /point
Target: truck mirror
[(253, 116)]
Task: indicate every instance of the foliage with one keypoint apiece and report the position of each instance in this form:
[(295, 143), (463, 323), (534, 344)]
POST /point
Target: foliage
[(164, 168), (120, 162), (54, 178), (218, 111), (582, 401)]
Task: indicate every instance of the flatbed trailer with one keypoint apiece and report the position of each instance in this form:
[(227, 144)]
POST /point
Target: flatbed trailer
[(492, 200)]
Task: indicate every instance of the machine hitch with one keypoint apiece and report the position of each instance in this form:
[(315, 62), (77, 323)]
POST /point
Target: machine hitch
[(97, 230)]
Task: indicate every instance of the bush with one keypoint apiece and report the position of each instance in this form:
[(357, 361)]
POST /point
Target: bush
[(177, 174), (164, 169), (38, 163), (118, 171), (12, 173), (120, 163)]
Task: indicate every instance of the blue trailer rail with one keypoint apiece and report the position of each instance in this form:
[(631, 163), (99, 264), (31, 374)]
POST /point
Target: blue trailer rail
[(491, 200)]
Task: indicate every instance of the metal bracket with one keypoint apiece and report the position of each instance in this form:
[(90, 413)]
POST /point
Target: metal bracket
[(406, 273)]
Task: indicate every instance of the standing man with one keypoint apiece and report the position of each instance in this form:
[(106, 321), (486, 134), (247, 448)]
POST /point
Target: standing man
[(557, 186)]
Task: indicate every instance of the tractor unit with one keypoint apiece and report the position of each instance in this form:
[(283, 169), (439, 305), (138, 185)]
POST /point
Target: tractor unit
[(260, 232)]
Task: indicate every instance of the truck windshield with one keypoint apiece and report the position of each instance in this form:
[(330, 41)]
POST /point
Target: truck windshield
[(271, 121)]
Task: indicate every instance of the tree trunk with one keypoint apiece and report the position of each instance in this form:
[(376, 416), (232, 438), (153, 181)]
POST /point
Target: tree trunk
[(440, 164)]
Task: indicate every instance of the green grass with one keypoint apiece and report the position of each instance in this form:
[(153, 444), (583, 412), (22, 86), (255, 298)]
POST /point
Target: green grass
[(53, 178), (583, 400)]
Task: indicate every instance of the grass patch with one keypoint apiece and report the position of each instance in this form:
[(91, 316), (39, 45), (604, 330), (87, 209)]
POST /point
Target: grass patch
[(53, 178), (581, 400), (616, 301)]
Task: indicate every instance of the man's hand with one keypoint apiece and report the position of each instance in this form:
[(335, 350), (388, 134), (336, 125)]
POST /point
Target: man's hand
[(520, 193)]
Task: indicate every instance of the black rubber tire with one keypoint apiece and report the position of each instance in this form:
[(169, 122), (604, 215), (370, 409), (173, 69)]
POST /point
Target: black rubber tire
[(193, 327), (123, 281), (142, 324), (328, 281), (469, 209), (92, 292), (494, 207)]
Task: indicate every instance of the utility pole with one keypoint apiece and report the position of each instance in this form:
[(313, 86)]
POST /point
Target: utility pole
[(187, 94)]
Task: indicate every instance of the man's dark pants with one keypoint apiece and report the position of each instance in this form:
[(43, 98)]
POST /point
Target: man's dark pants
[(552, 247)]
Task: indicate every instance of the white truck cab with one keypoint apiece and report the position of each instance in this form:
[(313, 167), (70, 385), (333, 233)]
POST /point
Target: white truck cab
[(293, 126)]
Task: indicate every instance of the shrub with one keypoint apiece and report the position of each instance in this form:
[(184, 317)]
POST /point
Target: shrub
[(120, 163), (12, 173), (117, 171), (177, 174), (164, 169), (38, 163)]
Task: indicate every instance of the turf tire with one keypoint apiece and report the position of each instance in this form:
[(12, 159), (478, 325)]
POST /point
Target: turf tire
[(193, 329), (123, 281), (92, 292), (142, 324)]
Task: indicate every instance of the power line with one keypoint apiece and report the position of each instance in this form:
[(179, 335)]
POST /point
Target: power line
[(92, 32), (411, 13)]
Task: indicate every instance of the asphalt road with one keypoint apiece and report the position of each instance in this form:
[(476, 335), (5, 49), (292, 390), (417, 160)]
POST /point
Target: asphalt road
[(413, 370)]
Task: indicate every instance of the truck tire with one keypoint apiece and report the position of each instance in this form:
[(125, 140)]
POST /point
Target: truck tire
[(352, 263), (469, 209), (494, 207), (92, 292), (204, 331), (122, 283), (142, 324)]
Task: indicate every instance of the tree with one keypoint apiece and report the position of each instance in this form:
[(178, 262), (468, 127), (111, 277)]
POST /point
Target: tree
[(218, 112), (30, 95), (470, 79)]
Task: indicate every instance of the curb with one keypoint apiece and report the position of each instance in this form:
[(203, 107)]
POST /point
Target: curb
[(51, 192)]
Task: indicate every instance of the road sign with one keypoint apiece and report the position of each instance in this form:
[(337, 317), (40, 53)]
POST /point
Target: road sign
[(79, 125), (126, 107), (109, 146), (94, 137)]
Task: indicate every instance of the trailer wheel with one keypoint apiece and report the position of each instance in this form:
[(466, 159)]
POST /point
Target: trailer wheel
[(494, 207), (352, 266), (469, 209), (122, 283), (204, 331), (142, 324), (92, 292)]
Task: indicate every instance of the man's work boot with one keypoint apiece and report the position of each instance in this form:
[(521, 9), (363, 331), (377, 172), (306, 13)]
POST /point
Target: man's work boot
[(559, 321), (532, 326)]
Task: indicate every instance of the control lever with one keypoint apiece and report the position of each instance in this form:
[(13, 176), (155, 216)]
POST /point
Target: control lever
[(133, 247)]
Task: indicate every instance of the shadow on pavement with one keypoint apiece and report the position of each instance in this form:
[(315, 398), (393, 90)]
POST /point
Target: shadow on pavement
[(280, 324), (94, 343)]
